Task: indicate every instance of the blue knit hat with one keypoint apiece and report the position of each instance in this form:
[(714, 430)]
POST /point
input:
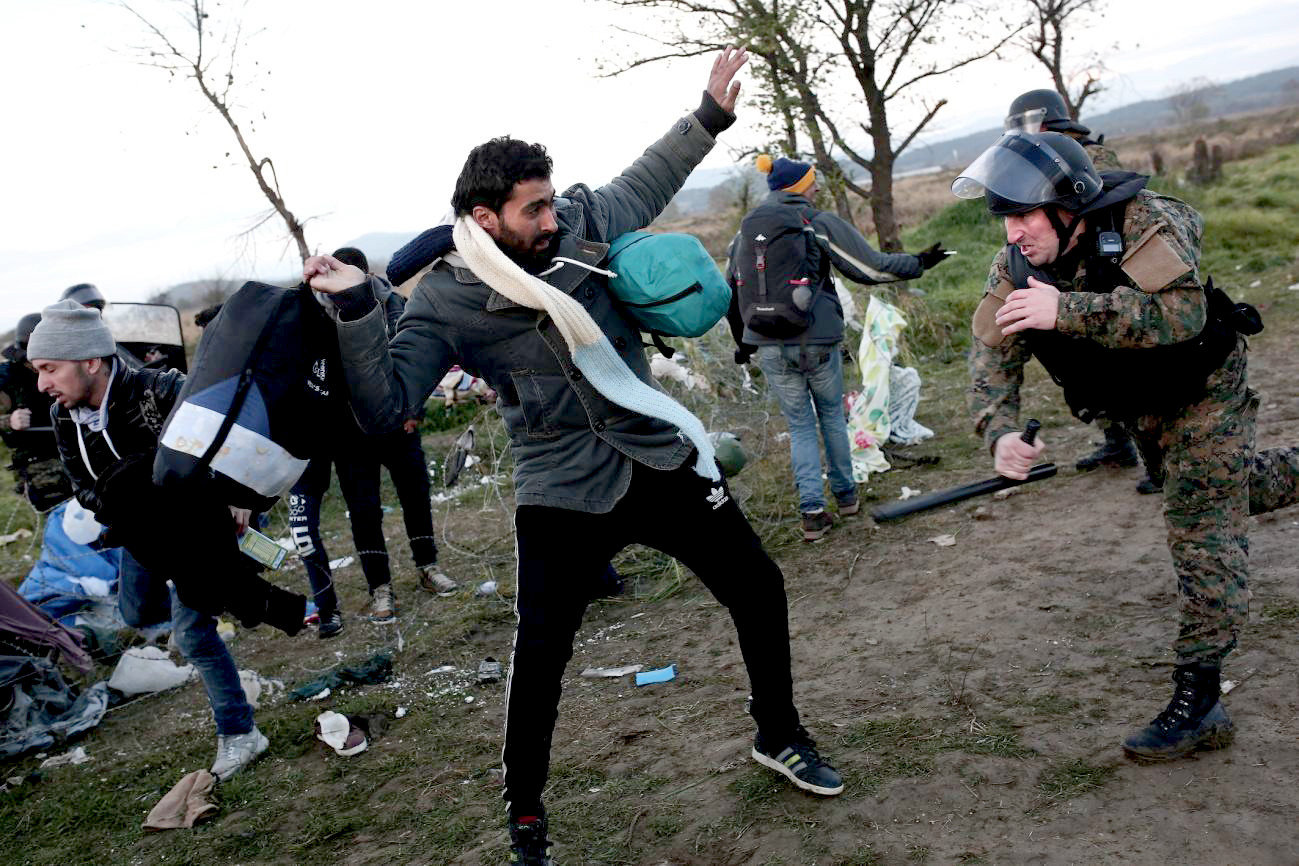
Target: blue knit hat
[(786, 174)]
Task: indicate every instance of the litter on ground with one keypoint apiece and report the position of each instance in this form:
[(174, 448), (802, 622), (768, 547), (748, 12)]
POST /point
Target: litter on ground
[(662, 675), (597, 673)]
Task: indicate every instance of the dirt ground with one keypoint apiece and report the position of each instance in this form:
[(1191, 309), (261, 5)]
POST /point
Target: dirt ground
[(973, 696)]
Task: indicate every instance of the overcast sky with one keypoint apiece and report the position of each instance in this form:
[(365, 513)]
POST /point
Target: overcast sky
[(116, 174)]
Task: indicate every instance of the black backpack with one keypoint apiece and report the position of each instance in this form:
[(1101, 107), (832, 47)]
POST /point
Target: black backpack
[(257, 401), (779, 267)]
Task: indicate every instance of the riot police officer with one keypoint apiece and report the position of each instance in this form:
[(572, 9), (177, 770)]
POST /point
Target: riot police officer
[(1100, 282)]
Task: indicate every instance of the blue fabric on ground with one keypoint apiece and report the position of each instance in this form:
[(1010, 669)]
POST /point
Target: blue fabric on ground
[(52, 584)]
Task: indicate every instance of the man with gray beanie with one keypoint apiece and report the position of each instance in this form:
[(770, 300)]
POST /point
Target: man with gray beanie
[(107, 419)]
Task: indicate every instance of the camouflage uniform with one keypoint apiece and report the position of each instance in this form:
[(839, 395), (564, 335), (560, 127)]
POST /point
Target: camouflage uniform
[(1206, 449), (1107, 160), (1102, 157)]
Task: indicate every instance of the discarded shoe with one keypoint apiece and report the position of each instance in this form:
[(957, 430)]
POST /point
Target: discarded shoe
[(799, 762), (236, 751), (339, 733), (489, 671), (383, 604), (816, 524)]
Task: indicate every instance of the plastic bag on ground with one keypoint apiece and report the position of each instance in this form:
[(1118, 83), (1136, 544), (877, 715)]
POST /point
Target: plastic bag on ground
[(148, 669), (904, 396)]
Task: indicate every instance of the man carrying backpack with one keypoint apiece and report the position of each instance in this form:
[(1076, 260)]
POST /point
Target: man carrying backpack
[(785, 308), (603, 458), (107, 419)]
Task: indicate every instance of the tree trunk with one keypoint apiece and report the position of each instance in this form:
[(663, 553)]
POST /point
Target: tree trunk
[(886, 225)]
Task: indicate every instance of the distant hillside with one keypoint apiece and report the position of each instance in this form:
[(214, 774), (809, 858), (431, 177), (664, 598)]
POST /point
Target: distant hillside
[(1267, 90), (196, 293), (1258, 92)]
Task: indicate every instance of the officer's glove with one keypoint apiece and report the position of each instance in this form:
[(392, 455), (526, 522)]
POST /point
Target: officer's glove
[(932, 256)]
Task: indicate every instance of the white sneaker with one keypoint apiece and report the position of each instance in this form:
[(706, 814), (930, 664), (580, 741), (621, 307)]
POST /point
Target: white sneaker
[(433, 580), (236, 751)]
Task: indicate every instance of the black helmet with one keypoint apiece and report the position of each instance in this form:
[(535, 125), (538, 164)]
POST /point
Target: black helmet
[(1037, 108), (84, 294), (23, 332), (1023, 171)]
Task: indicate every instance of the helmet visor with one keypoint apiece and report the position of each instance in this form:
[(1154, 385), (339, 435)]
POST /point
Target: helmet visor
[(1018, 168), (1026, 121)]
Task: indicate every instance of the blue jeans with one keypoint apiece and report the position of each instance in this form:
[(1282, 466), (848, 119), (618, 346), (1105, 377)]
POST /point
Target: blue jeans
[(799, 387), (145, 600)]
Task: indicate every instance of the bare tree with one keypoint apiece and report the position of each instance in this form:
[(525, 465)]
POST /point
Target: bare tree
[(213, 71), (1050, 24), (818, 62), (1189, 101)]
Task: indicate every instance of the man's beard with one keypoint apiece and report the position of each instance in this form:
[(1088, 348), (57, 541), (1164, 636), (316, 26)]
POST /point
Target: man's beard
[(522, 254)]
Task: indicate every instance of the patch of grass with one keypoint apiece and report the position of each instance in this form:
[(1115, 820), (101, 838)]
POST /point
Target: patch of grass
[(1052, 705), (862, 856), (757, 786), (907, 747), (1064, 781), (1285, 611)]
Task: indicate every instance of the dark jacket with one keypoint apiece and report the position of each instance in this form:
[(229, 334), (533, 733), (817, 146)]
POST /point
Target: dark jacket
[(850, 254), (572, 447), (138, 402), (18, 385)]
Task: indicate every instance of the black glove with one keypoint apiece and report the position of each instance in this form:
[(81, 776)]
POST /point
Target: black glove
[(932, 256), (743, 353)]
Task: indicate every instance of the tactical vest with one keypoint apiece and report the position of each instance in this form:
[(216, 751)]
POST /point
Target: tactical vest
[(1127, 383)]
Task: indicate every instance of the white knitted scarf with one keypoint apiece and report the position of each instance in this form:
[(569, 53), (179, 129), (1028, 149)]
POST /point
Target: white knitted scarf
[(592, 352)]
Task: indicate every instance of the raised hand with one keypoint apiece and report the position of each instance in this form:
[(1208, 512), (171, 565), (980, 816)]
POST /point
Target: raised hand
[(720, 84), (328, 275)]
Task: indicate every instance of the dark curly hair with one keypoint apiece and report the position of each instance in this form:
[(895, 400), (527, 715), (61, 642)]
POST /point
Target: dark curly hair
[(492, 170)]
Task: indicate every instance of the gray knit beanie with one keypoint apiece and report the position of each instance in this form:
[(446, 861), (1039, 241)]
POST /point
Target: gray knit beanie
[(70, 332)]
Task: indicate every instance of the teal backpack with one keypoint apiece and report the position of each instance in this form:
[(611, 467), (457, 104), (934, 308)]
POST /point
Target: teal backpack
[(668, 283)]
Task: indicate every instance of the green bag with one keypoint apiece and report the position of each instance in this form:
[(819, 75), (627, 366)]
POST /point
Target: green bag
[(668, 283)]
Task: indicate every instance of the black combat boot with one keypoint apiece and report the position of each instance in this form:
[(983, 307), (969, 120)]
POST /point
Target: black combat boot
[(1194, 718), (528, 843), (1117, 450)]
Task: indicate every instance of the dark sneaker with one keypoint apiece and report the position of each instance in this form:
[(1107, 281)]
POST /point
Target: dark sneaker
[(816, 524), (528, 843), (848, 505), (800, 762), (331, 625), (1194, 719), (1116, 451), (383, 604)]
